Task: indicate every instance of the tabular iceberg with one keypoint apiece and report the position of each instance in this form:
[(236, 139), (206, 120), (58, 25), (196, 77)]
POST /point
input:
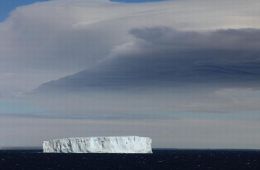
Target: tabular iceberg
[(116, 144)]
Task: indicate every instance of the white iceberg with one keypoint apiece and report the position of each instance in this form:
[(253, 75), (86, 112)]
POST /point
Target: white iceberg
[(116, 144)]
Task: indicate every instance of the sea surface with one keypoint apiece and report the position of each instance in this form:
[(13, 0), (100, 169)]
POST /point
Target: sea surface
[(173, 159)]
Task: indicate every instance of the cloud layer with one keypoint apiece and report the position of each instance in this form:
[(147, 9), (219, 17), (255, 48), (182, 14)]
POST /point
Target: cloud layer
[(120, 46), (160, 57), (36, 46), (124, 68)]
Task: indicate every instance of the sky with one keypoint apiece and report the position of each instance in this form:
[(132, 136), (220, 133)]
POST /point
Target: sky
[(6, 6), (183, 72)]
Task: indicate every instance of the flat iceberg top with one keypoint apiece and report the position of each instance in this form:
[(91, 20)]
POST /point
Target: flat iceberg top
[(112, 144)]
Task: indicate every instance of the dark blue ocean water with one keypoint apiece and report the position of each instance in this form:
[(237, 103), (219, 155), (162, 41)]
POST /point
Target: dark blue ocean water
[(160, 159)]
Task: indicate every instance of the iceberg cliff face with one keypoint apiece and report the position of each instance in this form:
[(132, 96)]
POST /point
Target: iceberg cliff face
[(124, 144)]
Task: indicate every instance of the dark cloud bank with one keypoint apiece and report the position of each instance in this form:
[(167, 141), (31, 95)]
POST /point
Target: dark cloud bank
[(161, 57)]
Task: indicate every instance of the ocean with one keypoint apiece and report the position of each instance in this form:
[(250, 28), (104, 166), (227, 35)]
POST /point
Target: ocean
[(173, 159)]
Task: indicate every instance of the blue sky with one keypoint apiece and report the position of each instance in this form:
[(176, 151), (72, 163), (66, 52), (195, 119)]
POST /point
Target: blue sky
[(6, 6)]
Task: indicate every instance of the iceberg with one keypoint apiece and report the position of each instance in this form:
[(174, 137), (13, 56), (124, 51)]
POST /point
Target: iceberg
[(113, 144)]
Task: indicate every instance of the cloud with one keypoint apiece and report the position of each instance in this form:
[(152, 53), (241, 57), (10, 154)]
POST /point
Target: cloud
[(37, 46), (164, 72), (160, 57), (225, 39), (186, 68)]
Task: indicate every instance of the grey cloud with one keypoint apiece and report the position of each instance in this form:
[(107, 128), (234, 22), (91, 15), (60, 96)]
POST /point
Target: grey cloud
[(38, 46), (167, 57), (228, 39), (177, 68)]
